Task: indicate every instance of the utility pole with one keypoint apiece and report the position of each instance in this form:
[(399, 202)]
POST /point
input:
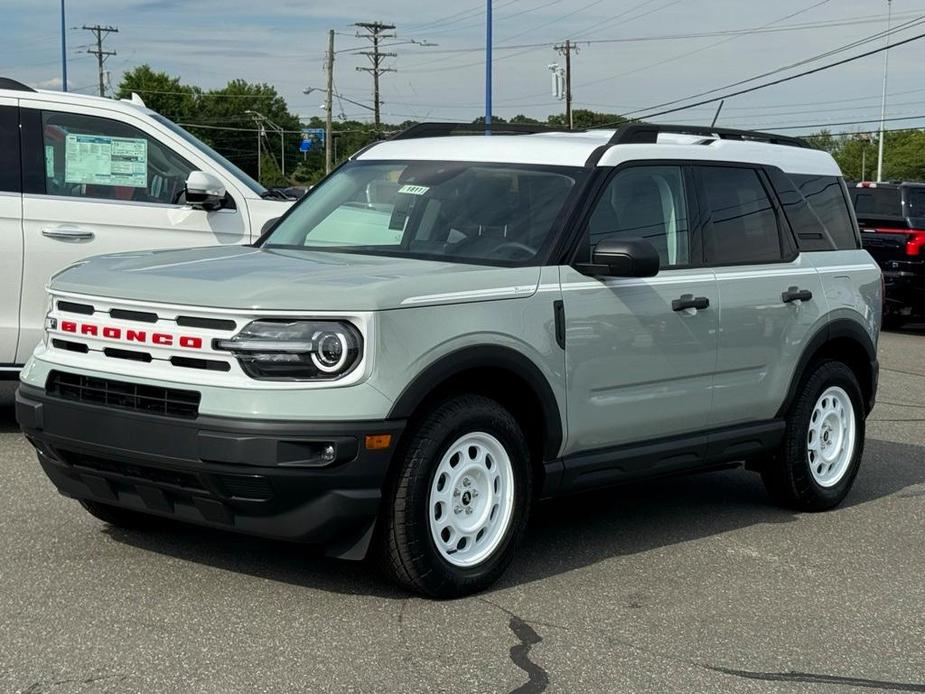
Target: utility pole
[(101, 32), (567, 49), (329, 105), (886, 70), (375, 32)]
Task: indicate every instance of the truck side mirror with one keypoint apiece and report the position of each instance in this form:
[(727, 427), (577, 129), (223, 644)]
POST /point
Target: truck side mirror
[(630, 257), (204, 191)]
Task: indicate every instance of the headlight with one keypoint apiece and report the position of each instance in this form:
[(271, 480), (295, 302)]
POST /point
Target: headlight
[(51, 323), (300, 350)]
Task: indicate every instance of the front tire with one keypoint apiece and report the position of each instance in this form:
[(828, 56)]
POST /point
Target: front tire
[(460, 499), (816, 466)]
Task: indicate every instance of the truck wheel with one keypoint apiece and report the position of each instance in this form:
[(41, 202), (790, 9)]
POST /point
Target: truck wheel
[(460, 499), (119, 517), (821, 453)]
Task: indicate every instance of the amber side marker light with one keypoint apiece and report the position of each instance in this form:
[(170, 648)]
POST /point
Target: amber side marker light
[(378, 442)]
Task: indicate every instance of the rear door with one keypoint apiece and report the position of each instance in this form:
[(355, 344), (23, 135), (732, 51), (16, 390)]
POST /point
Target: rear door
[(770, 297), (10, 231), (98, 184), (637, 368)]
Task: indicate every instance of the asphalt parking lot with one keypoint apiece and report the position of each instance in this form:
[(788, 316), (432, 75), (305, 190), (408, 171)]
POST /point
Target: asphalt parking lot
[(697, 584)]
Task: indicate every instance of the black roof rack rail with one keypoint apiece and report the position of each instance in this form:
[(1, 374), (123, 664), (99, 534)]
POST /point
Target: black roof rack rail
[(446, 129), (7, 83), (647, 133)]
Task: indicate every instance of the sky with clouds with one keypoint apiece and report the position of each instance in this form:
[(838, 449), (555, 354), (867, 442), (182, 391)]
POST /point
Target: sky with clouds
[(634, 54)]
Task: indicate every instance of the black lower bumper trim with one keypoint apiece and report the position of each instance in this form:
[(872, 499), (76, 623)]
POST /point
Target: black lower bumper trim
[(267, 478)]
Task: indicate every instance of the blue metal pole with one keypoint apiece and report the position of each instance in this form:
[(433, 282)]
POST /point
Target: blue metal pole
[(63, 52), (488, 68)]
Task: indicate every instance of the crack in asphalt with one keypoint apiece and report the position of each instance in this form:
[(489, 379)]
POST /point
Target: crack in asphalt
[(538, 678), (813, 678), (520, 655), (39, 687)]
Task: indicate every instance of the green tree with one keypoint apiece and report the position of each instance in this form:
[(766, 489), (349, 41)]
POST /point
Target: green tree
[(160, 92)]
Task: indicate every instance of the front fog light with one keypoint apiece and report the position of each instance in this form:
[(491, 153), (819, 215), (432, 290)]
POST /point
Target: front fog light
[(296, 350)]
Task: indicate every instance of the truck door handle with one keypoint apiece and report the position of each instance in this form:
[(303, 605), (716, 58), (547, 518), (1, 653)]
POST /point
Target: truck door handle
[(690, 301), (68, 233), (795, 294)]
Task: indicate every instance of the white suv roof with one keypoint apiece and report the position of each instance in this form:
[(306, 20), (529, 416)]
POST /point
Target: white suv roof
[(577, 149)]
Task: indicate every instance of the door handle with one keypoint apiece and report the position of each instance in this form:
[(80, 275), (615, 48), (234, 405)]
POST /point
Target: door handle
[(690, 301), (68, 233), (796, 294)]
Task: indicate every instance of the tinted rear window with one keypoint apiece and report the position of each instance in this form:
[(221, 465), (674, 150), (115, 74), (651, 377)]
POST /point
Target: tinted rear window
[(826, 197), (915, 202), (877, 201)]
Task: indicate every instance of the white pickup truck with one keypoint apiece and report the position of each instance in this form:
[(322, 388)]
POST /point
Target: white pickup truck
[(83, 175)]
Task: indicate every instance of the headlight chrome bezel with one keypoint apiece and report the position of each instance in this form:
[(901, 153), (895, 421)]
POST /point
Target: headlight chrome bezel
[(297, 349)]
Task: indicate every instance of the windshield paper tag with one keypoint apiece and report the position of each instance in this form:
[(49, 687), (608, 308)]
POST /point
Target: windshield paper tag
[(414, 190), (106, 161)]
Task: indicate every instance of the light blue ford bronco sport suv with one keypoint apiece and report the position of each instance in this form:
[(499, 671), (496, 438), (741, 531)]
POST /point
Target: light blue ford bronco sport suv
[(449, 328)]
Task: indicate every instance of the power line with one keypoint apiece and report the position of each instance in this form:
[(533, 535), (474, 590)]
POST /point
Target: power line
[(687, 54), (775, 82)]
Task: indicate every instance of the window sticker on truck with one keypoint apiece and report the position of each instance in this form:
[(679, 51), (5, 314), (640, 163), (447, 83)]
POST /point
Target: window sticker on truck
[(106, 161)]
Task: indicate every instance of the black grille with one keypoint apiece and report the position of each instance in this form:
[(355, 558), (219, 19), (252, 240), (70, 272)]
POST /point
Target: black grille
[(206, 323), (140, 316), (174, 478), (168, 402), (73, 307)]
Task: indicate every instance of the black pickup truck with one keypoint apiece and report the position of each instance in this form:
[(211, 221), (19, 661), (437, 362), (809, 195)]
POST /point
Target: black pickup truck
[(892, 221)]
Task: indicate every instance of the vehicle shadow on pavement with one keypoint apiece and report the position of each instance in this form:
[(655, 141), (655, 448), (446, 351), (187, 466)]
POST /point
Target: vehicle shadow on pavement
[(564, 534), (579, 531)]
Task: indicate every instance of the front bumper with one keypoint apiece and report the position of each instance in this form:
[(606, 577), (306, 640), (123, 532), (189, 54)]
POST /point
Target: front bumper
[(262, 478)]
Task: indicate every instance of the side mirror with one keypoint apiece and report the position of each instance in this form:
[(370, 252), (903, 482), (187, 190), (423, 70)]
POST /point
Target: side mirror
[(204, 191), (631, 257)]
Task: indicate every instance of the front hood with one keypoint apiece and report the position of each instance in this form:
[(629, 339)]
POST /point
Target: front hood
[(242, 277)]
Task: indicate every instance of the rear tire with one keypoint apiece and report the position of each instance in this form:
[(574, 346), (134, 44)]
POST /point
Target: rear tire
[(460, 499), (119, 517), (818, 461)]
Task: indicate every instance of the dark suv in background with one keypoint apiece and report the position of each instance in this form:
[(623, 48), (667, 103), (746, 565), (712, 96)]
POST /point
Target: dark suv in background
[(892, 219)]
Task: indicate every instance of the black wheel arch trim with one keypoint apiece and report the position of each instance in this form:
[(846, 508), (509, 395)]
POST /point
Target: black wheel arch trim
[(836, 329), (486, 356)]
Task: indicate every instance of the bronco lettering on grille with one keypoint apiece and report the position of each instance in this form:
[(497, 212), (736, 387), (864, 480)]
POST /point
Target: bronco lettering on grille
[(111, 332)]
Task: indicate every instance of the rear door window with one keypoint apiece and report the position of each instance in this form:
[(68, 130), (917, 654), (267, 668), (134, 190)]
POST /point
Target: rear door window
[(9, 149), (743, 226)]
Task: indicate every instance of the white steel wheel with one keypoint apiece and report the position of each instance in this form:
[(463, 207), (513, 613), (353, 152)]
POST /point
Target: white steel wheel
[(471, 499), (831, 437)]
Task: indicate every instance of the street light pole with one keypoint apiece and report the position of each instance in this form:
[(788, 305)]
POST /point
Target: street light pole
[(63, 52), (488, 67), (886, 70)]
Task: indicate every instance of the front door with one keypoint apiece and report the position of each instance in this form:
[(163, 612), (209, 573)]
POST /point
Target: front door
[(638, 365), (102, 185), (10, 232)]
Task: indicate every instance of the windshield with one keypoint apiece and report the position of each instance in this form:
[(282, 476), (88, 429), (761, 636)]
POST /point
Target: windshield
[(209, 152), (453, 211)]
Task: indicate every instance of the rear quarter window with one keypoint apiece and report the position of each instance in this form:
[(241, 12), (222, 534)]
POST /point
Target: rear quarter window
[(826, 198)]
